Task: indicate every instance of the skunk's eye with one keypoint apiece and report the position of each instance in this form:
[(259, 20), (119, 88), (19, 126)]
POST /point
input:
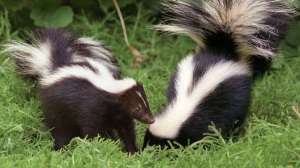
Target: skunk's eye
[(138, 108)]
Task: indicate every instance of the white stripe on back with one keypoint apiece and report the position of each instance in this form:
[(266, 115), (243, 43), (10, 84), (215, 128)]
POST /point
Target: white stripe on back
[(102, 80), (95, 63), (184, 77), (168, 123), (96, 48)]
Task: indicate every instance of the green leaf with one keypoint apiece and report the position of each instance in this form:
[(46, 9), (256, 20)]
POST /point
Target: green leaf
[(13, 5), (54, 18), (293, 37)]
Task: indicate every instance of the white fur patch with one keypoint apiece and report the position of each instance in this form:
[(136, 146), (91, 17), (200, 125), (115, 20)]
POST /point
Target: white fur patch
[(36, 57), (142, 98), (180, 30), (95, 63), (168, 123), (96, 48), (102, 80), (184, 78), (243, 18)]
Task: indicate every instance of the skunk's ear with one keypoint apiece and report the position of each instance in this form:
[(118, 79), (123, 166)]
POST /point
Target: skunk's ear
[(134, 101)]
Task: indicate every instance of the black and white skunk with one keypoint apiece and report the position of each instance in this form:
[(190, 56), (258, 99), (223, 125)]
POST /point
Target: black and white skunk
[(81, 89), (237, 41)]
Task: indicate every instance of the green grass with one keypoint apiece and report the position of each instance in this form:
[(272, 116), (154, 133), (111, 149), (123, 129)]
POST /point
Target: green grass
[(272, 137)]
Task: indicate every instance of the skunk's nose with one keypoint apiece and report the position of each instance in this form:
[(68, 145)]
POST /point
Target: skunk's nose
[(147, 119), (150, 120)]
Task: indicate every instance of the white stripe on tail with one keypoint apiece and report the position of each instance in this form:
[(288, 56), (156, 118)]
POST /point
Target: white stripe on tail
[(35, 57), (102, 80), (242, 19)]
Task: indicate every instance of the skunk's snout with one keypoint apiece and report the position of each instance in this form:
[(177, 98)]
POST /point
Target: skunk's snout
[(148, 119), (144, 117), (135, 102)]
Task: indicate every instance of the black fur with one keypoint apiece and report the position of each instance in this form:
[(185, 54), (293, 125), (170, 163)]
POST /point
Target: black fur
[(226, 107), (65, 45), (60, 45), (260, 65), (219, 41), (74, 107)]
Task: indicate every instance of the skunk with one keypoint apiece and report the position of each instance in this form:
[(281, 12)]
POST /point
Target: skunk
[(82, 93), (237, 40)]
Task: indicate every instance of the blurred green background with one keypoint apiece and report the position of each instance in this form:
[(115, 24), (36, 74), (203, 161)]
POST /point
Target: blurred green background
[(61, 13)]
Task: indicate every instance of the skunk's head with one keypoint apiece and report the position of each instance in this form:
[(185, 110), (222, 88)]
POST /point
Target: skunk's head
[(134, 101)]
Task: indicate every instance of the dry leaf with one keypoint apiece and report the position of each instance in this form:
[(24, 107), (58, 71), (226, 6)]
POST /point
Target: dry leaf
[(296, 110)]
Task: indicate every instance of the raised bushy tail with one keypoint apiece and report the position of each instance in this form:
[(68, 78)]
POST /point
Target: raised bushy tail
[(49, 49), (254, 27)]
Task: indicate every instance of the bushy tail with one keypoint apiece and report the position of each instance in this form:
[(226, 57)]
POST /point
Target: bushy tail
[(255, 26), (48, 50)]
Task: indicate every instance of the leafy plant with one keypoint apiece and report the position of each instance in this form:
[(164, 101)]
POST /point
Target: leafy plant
[(51, 13), (60, 13), (45, 13), (106, 5), (293, 38)]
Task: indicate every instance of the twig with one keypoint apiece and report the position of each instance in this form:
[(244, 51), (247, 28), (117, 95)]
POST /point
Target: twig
[(122, 22), (138, 57), (296, 110)]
